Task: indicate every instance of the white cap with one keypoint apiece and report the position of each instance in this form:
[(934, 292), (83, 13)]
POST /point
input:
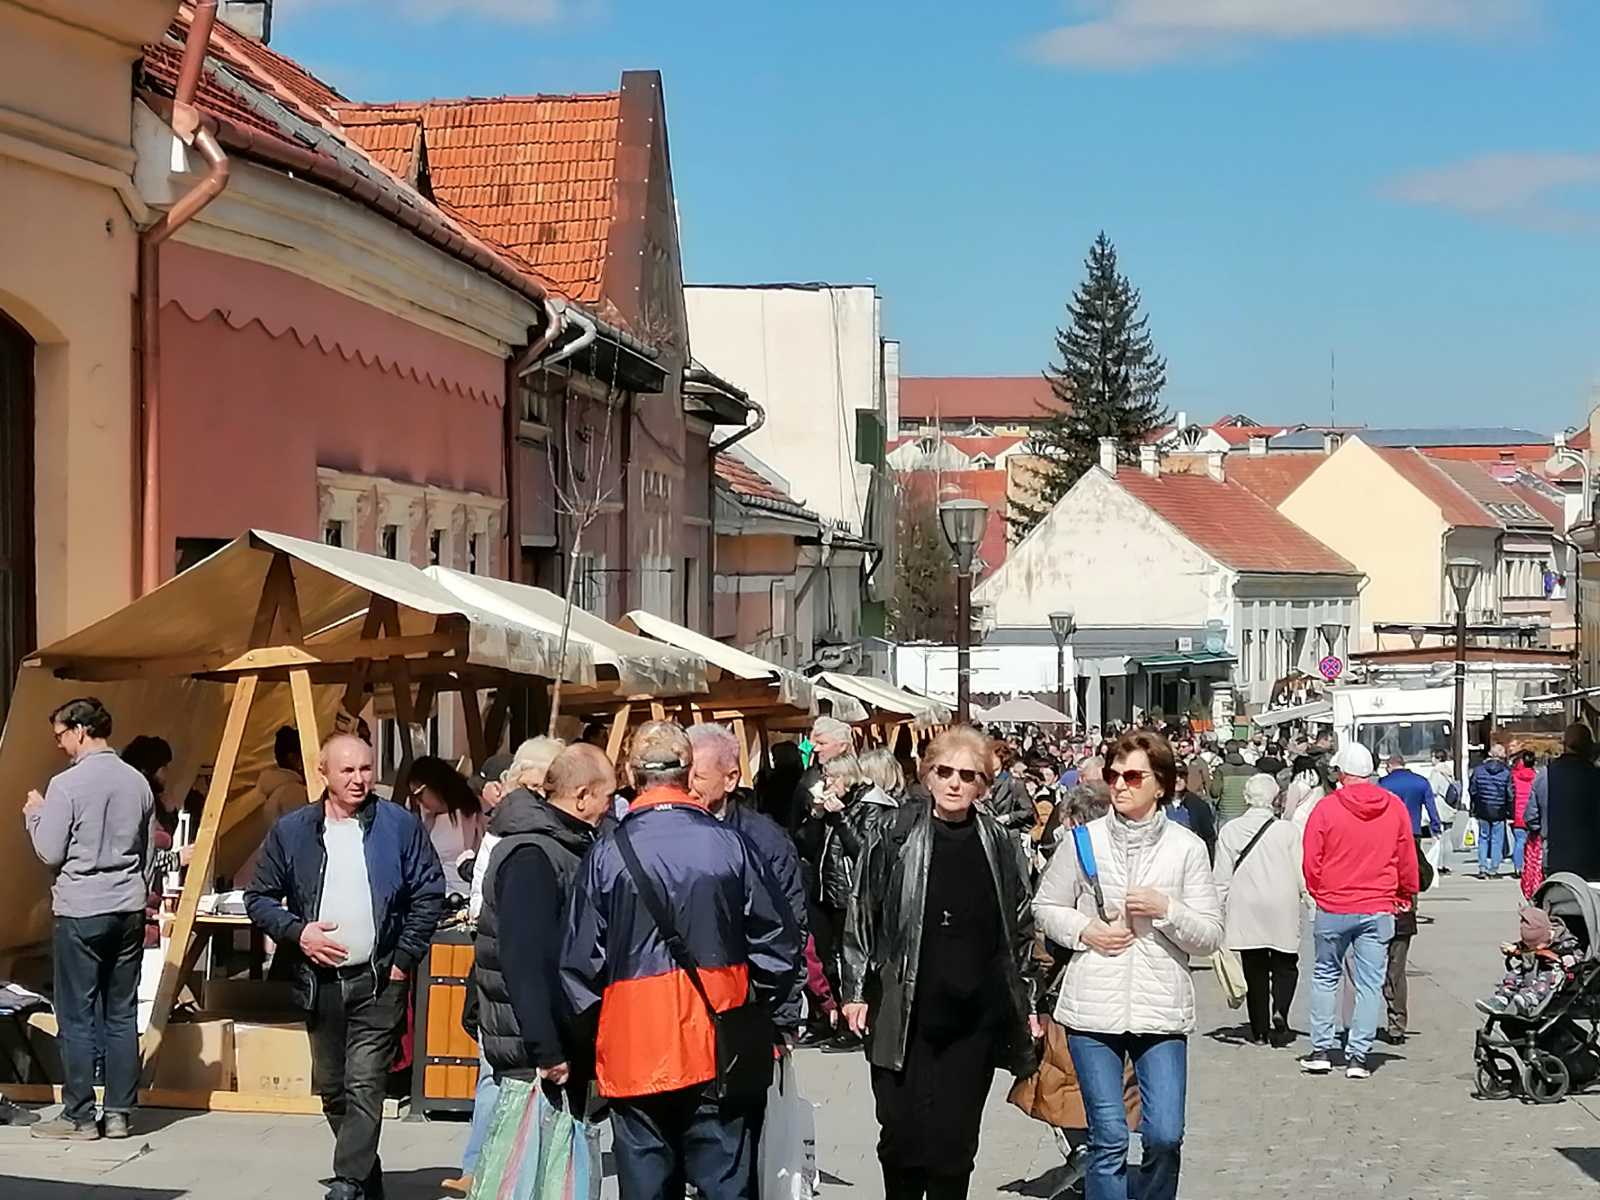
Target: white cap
[(1354, 760)]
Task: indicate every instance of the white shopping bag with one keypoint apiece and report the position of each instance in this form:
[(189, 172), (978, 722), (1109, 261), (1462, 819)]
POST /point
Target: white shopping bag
[(786, 1161), (1433, 851)]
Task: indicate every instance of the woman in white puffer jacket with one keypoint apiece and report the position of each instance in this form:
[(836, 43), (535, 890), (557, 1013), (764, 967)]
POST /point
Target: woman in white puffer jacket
[(1132, 917)]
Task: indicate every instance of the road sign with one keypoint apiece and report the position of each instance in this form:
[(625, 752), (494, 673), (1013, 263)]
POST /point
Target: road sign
[(1331, 667)]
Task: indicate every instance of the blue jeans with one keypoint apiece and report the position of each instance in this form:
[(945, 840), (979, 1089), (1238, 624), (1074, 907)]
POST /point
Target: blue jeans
[(1368, 935), (1491, 846), (1519, 847), (1161, 1064), (663, 1141), (483, 1102)]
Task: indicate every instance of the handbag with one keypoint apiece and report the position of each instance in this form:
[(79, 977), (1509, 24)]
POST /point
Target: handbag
[(1052, 1095), (1226, 964), (743, 1037)]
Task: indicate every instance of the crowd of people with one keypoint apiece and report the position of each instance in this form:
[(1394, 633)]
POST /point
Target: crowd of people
[(1027, 902)]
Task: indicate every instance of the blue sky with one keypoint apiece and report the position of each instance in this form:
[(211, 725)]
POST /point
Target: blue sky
[(1412, 185)]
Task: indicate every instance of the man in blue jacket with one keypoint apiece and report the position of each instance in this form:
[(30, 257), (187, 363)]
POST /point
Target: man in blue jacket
[(351, 890), (1490, 792), (1416, 793)]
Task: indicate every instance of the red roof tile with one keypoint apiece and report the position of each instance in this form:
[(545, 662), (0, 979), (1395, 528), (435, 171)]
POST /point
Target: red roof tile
[(1542, 501), (161, 63), (1232, 524), (1423, 473), (1479, 481), (745, 478), (536, 173), (1021, 398), (1239, 435), (1272, 476), (988, 486), (394, 143)]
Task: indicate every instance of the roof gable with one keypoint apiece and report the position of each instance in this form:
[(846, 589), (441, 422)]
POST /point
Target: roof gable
[(1456, 507), (1021, 398), (1272, 477), (1232, 524)]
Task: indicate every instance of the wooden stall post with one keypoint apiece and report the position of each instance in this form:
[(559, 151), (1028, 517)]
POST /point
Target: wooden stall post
[(205, 845), (619, 731), (305, 723), (477, 745), (745, 777)]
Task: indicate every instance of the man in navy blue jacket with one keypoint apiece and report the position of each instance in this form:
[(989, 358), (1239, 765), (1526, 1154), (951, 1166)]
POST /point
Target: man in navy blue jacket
[(351, 890), (1416, 793), (1490, 791)]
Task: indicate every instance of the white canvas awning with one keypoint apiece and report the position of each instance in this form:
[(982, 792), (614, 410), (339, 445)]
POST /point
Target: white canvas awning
[(846, 708), (790, 687), (1317, 710), (642, 666), (885, 697)]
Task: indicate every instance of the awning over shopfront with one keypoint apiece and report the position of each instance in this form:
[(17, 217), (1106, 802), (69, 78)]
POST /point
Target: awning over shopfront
[(1178, 661), (1319, 710)]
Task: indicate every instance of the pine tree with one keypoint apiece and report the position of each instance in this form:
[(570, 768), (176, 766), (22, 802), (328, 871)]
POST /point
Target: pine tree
[(924, 604), (1108, 384)]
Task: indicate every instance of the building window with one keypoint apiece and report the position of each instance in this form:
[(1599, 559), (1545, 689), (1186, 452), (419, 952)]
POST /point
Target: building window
[(534, 404), (1264, 657), (193, 551), (586, 589), (474, 548), (435, 546), (389, 542), (1245, 641), (333, 533)]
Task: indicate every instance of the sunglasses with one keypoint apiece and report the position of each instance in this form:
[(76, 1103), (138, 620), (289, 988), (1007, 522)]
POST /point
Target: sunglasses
[(1134, 779), (967, 774)]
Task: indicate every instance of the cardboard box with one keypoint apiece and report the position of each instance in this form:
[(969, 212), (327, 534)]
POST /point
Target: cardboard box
[(196, 1056), (273, 1059)]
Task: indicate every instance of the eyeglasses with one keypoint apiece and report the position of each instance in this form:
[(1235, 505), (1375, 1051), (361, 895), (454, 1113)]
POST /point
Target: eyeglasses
[(1134, 779), (967, 774), (62, 732)]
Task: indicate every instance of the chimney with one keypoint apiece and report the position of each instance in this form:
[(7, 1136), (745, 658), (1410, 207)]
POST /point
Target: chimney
[(252, 18), (1330, 441), (1258, 447), (1183, 420), (1150, 460), (1214, 466), (1108, 455)]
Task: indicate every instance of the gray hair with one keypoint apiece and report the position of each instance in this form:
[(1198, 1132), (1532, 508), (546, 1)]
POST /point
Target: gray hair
[(831, 729), (531, 762), (660, 755), (846, 767), (715, 743), (883, 769), (1261, 791), (1086, 802)]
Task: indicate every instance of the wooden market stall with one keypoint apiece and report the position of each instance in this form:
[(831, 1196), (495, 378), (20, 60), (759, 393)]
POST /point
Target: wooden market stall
[(274, 630), (893, 711)]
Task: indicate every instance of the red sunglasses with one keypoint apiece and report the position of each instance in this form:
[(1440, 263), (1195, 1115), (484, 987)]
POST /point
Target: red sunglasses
[(1134, 779)]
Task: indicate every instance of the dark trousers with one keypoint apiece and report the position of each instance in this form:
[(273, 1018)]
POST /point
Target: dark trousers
[(1270, 978), (661, 1142), (355, 1031), (827, 927), (911, 1183), (97, 1009), (1396, 995)]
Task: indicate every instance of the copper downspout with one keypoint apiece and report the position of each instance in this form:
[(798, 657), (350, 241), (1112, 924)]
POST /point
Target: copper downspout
[(516, 368), (186, 124)]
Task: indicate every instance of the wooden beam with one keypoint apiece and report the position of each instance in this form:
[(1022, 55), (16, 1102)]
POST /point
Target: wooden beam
[(239, 1102), (305, 723), (355, 691), (278, 609), (619, 731), (658, 711), (257, 660), (494, 721), (472, 714), (198, 878), (744, 752)]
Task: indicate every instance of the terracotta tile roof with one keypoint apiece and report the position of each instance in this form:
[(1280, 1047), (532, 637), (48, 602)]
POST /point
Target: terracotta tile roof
[(536, 173), (1232, 524), (746, 479), (1271, 476), (1478, 480), (1543, 500), (1239, 435), (1580, 440), (1022, 398), (394, 143), (160, 66), (285, 79), (988, 486), (1423, 473)]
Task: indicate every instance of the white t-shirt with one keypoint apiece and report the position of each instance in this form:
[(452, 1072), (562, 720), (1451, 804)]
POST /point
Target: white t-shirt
[(346, 890)]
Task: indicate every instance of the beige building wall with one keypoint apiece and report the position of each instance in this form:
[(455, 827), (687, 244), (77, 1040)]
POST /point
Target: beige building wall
[(1359, 506), (69, 220)]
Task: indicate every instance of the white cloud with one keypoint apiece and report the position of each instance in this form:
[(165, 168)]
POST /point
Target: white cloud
[(1529, 189), (1123, 34)]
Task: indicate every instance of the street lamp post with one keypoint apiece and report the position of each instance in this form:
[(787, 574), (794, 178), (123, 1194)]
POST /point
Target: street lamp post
[(1462, 574), (1062, 626), (963, 523)]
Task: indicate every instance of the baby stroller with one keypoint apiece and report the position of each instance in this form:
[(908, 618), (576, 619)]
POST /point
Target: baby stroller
[(1544, 1054)]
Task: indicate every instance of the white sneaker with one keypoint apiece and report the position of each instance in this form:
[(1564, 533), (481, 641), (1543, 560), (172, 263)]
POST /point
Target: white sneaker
[(1316, 1063), (1357, 1068)]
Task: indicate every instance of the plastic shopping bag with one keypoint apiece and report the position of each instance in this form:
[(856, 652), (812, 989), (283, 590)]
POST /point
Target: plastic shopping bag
[(786, 1161), (536, 1151), (1433, 854)]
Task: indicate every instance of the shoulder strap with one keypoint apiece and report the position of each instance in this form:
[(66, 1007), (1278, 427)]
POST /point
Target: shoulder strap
[(1084, 849), (1251, 844), (656, 906)]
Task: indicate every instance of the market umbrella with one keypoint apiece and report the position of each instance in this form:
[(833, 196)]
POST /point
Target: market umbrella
[(1024, 710)]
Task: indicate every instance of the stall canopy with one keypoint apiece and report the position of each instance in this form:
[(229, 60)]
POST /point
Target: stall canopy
[(888, 699), (836, 704), (1317, 710), (1025, 710), (790, 688)]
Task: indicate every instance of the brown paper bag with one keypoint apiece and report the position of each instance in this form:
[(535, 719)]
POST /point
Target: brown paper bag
[(1052, 1094)]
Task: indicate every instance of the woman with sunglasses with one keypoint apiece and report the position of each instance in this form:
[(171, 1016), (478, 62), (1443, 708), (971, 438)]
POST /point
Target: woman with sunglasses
[(1133, 917), (938, 971)]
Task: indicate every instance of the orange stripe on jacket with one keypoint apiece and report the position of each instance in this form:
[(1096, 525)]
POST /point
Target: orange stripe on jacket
[(655, 1034)]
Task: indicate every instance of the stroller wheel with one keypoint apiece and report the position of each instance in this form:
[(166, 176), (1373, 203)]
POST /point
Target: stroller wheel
[(1492, 1082), (1545, 1079)]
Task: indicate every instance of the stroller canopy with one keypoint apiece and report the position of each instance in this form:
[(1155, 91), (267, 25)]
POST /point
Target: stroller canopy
[(1577, 902)]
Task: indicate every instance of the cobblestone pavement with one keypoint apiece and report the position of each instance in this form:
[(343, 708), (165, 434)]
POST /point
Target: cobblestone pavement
[(1257, 1128)]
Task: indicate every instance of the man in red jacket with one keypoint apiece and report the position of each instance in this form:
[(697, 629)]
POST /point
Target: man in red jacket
[(1361, 866)]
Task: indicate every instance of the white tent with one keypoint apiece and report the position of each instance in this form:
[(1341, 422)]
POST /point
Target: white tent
[(1024, 710)]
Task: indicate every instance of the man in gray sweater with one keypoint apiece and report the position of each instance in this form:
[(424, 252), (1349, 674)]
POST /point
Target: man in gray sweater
[(92, 828)]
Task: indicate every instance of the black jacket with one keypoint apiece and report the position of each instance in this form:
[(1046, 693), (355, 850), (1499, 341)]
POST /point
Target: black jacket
[(523, 1022), (1009, 803), (883, 935), (1570, 818), (402, 869), (831, 843), (777, 850)]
